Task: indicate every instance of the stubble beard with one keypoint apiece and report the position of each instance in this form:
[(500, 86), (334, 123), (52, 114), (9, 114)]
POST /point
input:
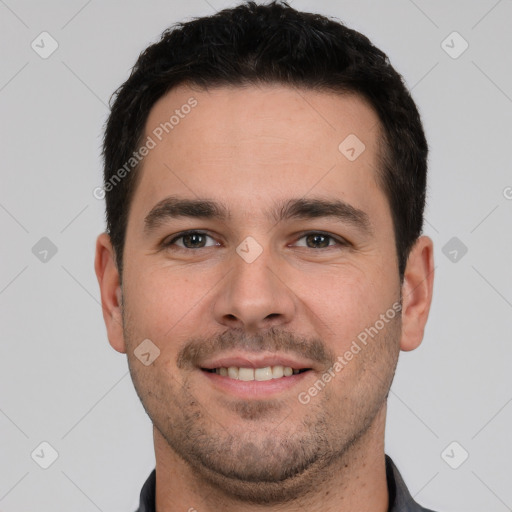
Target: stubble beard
[(269, 457)]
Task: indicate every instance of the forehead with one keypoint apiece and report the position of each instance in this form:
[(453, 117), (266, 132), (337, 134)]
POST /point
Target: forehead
[(279, 115), (249, 143)]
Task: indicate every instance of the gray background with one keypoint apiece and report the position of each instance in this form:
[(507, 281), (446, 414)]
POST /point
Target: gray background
[(60, 381)]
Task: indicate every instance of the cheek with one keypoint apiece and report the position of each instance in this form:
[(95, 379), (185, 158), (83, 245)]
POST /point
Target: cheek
[(170, 305), (345, 302), (157, 300)]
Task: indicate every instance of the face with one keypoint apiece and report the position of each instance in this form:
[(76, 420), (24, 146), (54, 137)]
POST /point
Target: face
[(256, 248)]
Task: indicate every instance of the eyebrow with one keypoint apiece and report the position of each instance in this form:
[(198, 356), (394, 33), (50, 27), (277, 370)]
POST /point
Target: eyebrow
[(174, 207)]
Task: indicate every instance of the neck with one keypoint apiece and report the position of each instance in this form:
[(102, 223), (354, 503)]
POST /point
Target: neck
[(354, 481)]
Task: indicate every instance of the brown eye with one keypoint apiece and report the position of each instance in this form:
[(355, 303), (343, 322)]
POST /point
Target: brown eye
[(191, 240), (318, 241)]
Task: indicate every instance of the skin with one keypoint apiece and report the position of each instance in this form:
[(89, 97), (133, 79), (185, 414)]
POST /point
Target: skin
[(251, 148)]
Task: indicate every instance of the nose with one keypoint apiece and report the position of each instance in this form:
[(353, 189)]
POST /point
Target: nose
[(254, 296)]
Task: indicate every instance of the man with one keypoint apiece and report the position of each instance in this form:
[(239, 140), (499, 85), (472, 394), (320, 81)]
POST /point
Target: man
[(263, 266)]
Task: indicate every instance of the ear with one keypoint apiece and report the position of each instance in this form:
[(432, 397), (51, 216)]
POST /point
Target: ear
[(111, 293), (417, 290)]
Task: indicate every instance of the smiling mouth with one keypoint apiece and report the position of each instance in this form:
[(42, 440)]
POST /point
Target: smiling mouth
[(258, 374)]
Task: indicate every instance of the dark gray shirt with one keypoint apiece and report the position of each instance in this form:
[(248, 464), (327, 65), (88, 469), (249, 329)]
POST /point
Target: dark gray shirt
[(400, 500)]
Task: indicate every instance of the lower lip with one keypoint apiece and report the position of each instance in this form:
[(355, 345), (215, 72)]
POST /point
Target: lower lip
[(254, 388)]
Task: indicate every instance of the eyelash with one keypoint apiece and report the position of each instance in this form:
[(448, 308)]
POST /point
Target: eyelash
[(340, 242)]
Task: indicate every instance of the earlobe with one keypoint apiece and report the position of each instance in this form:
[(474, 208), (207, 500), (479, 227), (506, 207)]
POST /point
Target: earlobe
[(417, 291), (111, 293)]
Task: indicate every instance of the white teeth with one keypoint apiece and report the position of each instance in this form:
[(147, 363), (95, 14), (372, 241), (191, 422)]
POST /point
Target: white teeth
[(263, 373), (245, 374), (259, 374), (277, 372)]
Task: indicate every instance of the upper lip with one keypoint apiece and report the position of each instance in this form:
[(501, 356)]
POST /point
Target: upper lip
[(255, 360)]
